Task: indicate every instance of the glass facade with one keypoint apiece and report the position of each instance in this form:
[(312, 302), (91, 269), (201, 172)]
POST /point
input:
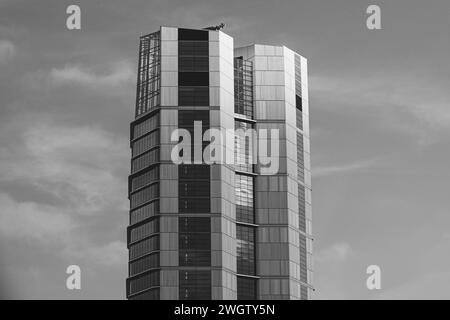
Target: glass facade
[(144, 282), (194, 241), (143, 184), (194, 179), (149, 210), (246, 288), (243, 87), (244, 144), (245, 210), (145, 263), (194, 195), (195, 284), (149, 73), (193, 67), (181, 217), (245, 249), (300, 158), (143, 247)]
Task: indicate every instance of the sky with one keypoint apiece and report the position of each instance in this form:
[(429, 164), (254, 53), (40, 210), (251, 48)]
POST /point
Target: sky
[(380, 137)]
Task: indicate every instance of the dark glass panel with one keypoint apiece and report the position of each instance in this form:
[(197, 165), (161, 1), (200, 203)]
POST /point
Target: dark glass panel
[(193, 63), (192, 34), (301, 208), (303, 264), (245, 249), (246, 288), (193, 205), (195, 285), (193, 79), (143, 247), (194, 258), (144, 281), (194, 224), (194, 171), (244, 198), (193, 96), (143, 264)]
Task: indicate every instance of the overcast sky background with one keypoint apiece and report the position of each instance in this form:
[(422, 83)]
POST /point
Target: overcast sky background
[(380, 126)]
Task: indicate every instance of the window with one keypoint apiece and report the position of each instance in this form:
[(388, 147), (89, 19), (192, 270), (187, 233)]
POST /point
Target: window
[(145, 212), (193, 79), (145, 178), (301, 208), (145, 143), (243, 87), (193, 205), (194, 188), (195, 285), (194, 180), (144, 195), (143, 247), (193, 48), (191, 189), (143, 282), (193, 96), (194, 171), (143, 264), (303, 264), (244, 143), (246, 288), (300, 160), (143, 231), (147, 125), (193, 63), (192, 34), (245, 249), (194, 241), (144, 160), (298, 76), (298, 104), (303, 293), (149, 74), (186, 119), (244, 199)]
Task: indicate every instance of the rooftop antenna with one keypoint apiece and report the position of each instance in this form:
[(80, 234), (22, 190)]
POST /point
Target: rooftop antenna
[(216, 28)]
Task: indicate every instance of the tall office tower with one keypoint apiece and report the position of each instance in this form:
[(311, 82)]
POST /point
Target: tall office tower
[(223, 230)]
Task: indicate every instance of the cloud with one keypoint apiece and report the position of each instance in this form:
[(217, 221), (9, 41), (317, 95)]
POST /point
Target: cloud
[(110, 254), (425, 100), (82, 168), (32, 221), (324, 171), (428, 286), (77, 165), (113, 79), (7, 50), (121, 73), (337, 253)]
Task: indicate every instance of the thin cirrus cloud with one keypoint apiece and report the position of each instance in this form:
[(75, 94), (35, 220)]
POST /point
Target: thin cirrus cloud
[(392, 95), (116, 76), (325, 171)]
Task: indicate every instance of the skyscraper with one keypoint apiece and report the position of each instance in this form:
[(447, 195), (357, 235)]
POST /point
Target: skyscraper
[(218, 230)]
